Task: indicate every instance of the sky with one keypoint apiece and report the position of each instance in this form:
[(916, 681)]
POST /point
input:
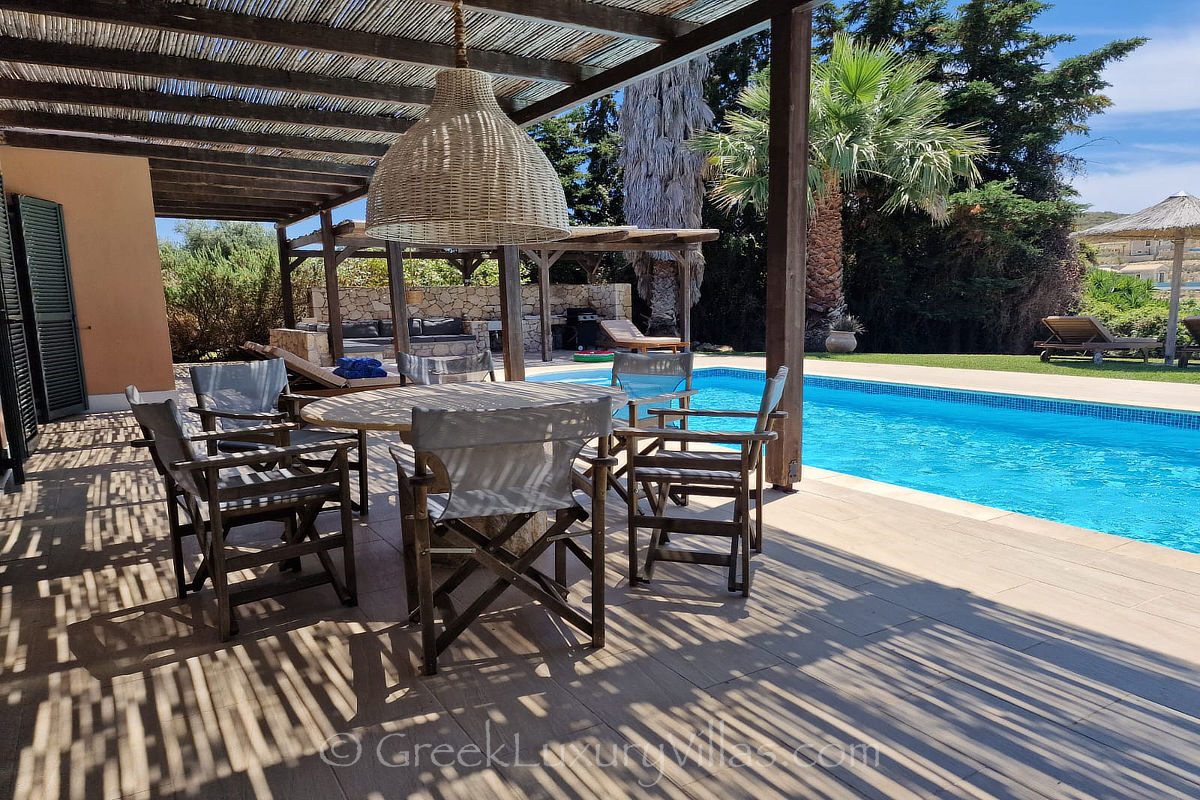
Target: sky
[(1142, 149)]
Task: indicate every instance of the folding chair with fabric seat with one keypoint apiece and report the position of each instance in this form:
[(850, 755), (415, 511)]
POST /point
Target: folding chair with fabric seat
[(715, 472), (230, 398), (426, 370), (213, 494), (513, 463), (648, 380)]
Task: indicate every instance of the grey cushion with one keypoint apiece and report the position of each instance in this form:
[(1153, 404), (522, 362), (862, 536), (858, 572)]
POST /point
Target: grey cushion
[(387, 328), (441, 326), (306, 326), (414, 326), (360, 330), (430, 339)]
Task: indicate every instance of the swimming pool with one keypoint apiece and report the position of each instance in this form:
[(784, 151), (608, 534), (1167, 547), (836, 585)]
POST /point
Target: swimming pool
[(1122, 470)]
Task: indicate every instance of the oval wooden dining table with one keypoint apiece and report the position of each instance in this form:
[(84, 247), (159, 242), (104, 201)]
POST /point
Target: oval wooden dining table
[(391, 409)]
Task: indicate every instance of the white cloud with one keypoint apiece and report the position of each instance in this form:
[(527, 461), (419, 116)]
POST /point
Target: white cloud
[(1133, 188), (1158, 76)]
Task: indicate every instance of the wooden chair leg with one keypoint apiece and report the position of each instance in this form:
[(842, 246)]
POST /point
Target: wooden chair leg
[(348, 567), (631, 508), (424, 570), (226, 627), (744, 502), (758, 508), (364, 477), (181, 585)]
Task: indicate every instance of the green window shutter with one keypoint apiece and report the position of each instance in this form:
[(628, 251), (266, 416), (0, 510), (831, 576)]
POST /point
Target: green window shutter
[(47, 271), (16, 370)]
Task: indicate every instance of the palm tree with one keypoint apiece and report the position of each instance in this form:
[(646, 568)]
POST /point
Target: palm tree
[(664, 178), (873, 116)]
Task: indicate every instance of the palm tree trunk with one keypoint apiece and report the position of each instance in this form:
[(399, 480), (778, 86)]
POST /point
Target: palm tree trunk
[(663, 298), (825, 298)]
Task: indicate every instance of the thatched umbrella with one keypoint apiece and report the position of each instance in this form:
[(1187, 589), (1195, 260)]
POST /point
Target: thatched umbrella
[(1177, 218)]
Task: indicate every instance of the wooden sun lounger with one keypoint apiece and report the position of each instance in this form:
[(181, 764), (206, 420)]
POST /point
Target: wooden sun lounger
[(316, 380), (624, 333), (1185, 353), (1088, 335)]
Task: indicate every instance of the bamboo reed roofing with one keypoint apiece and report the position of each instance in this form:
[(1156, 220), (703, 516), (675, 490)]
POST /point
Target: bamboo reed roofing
[(275, 110)]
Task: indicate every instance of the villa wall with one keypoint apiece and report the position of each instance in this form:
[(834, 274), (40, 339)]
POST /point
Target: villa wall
[(109, 212), (611, 301)]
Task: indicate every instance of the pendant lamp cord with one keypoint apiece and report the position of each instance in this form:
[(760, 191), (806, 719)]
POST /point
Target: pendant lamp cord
[(460, 36)]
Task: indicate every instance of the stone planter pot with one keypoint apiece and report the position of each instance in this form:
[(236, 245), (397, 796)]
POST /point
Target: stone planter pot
[(840, 342)]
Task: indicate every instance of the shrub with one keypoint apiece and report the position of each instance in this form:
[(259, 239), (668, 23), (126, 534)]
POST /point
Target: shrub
[(215, 302)]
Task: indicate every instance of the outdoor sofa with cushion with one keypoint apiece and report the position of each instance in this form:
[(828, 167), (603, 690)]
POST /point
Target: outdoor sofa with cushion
[(1088, 335), (376, 335)]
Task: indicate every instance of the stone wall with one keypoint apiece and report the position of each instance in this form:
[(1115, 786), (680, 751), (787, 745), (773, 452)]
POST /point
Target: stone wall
[(306, 344), (611, 301)]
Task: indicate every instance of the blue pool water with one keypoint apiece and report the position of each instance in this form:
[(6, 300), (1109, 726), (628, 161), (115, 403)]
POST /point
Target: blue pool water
[(1124, 471)]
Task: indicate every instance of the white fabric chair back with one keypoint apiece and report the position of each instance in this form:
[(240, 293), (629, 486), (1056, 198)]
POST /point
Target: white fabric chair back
[(509, 461), (426, 370), (651, 374), (253, 387), (163, 425)]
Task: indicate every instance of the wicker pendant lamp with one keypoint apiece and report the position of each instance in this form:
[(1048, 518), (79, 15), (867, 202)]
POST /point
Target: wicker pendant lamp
[(466, 175)]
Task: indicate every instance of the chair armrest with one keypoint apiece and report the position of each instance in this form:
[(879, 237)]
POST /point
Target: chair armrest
[(262, 416), (292, 403), (662, 398), (701, 412), (264, 456), (714, 437), (214, 436)]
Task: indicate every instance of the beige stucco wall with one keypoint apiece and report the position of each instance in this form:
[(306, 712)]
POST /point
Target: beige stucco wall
[(113, 247)]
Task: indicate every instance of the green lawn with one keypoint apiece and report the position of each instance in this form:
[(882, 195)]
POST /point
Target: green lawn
[(1111, 368)]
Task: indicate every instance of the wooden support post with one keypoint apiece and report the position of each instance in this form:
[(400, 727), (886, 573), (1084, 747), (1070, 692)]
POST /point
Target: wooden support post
[(511, 332), (685, 298), (787, 218), (332, 295), (544, 260), (285, 277), (1176, 291), (399, 291)]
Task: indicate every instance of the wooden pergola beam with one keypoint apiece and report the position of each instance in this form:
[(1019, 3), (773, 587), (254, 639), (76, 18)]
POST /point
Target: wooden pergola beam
[(129, 62), (208, 180), (52, 92), (220, 214), (717, 33), (264, 208), (90, 144), (584, 16), (185, 191), (325, 205), (79, 123), (223, 171), (197, 19)]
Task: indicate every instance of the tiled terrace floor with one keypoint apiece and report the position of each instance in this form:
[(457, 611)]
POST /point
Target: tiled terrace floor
[(896, 645)]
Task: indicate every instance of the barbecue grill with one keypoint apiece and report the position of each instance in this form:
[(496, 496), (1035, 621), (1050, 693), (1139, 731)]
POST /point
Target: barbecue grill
[(582, 330)]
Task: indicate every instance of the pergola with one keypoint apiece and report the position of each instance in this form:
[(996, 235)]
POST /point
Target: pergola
[(276, 112), (350, 239)]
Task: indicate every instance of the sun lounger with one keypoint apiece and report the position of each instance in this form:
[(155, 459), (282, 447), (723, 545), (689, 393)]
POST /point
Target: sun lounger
[(624, 333), (1088, 335), (1185, 353), (312, 379)]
